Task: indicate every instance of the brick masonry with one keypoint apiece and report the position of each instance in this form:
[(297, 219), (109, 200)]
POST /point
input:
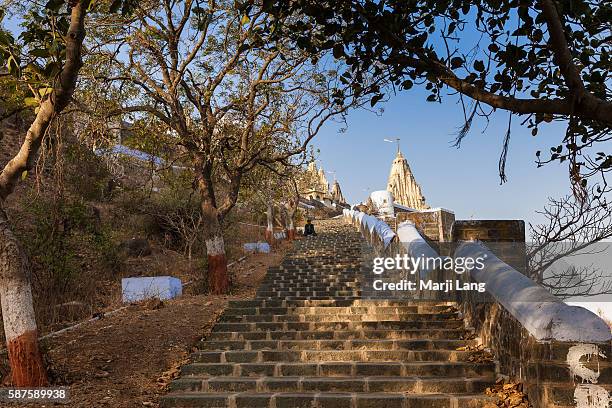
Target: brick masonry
[(554, 374), (542, 367)]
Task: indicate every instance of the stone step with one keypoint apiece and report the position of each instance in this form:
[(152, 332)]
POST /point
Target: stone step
[(309, 294), (413, 385), (346, 276), (340, 270), (332, 310), (300, 283), (310, 287), (339, 325), (333, 302), (370, 317), (359, 344), (309, 339), (261, 356), (290, 280), (308, 298), (345, 369), (322, 400), (450, 334)]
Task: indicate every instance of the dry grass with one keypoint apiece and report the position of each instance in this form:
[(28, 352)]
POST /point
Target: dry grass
[(127, 359)]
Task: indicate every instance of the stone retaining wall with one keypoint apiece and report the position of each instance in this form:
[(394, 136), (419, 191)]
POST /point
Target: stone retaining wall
[(555, 374), (549, 371)]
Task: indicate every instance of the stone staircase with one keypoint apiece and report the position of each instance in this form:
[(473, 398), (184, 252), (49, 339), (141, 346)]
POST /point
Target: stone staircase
[(309, 340)]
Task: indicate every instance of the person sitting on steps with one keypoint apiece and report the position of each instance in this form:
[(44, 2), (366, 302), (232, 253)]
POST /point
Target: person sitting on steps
[(309, 228)]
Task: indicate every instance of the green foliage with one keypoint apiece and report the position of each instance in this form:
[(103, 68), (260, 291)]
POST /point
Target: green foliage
[(86, 173), (171, 215), (502, 49), (36, 55), (65, 236)]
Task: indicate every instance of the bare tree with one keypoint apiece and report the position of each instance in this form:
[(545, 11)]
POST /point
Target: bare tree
[(290, 203), (231, 101), (572, 228), (184, 223)]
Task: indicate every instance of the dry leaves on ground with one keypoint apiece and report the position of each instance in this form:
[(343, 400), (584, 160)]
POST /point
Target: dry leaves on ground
[(478, 354), (509, 395)]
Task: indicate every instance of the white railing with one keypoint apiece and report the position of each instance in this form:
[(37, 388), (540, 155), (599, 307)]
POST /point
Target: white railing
[(543, 315)]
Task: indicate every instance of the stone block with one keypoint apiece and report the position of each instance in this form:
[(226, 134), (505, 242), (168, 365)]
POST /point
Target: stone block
[(141, 288)]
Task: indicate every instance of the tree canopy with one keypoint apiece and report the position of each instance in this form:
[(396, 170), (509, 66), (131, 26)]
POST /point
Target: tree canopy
[(545, 60)]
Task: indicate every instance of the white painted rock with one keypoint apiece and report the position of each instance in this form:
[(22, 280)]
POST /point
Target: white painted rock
[(160, 287), (261, 247)]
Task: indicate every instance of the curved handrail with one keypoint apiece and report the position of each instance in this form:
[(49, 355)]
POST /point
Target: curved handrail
[(415, 244), (542, 314), (372, 224), (545, 316)]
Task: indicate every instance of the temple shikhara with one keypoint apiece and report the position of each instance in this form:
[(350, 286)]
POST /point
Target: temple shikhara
[(404, 187), (315, 188), (336, 193)]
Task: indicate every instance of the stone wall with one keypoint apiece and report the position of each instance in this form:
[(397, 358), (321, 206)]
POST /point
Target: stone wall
[(544, 368), (434, 225), (550, 376), (554, 374), (506, 238)]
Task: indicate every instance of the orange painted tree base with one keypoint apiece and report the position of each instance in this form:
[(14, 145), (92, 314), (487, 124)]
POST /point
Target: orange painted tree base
[(27, 368), (291, 234), (269, 236), (218, 279)]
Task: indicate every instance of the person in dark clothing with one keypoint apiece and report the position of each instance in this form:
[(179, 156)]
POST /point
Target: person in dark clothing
[(309, 228)]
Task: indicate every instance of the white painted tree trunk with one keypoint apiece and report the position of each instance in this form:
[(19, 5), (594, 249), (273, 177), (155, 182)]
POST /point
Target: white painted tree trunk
[(20, 329), (270, 219), (290, 224), (26, 362), (218, 279)]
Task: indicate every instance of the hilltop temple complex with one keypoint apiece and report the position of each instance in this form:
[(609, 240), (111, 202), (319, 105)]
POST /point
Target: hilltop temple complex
[(404, 187), (315, 187), (406, 192)]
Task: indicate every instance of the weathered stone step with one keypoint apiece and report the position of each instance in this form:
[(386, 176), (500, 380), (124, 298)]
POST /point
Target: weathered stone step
[(261, 356), (369, 317), (329, 310), (312, 287), (320, 282), (339, 325), (344, 369), (322, 400), (333, 302), (342, 275), (414, 385), (308, 298), (290, 280), (308, 293), (360, 344), (348, 275), (310, 340), (450, 334), (342, 270)]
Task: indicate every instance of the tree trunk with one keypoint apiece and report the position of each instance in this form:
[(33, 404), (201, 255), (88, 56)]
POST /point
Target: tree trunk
[(15, 290), (269, 235), (218, 279), (25, 359), (290, 224)]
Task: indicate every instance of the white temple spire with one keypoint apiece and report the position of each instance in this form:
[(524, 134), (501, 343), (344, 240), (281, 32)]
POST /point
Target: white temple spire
[(402, 184)]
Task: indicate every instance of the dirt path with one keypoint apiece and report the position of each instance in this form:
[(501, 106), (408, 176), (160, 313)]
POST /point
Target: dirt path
[(127, 359)]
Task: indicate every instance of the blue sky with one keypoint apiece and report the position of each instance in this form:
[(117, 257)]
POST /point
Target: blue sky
[(464, 180)]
